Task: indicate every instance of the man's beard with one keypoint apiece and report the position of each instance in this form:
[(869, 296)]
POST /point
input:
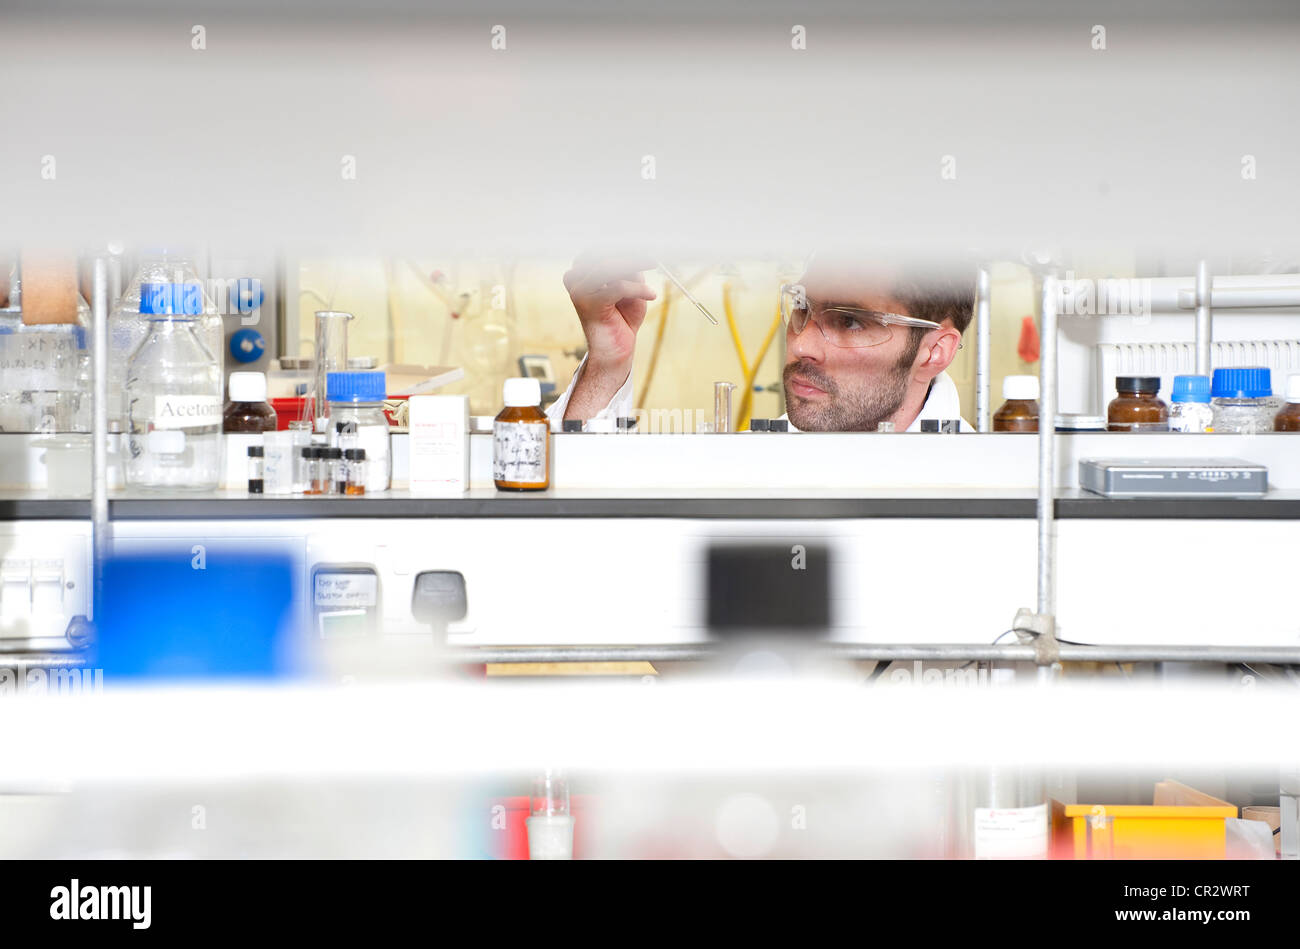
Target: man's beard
[(860, 409)]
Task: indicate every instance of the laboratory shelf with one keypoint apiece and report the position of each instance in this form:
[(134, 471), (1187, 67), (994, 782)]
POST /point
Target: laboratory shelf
[(712, 505)]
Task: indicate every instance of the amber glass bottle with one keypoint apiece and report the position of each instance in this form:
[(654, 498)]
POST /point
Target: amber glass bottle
[(248, 412), (1020, 411), (1288, 420), (521, 439), (1136, 408)]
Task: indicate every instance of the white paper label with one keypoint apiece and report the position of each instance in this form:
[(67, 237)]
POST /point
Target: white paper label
[(186, 411), (1011, 833), (343, 590), (519, 452)]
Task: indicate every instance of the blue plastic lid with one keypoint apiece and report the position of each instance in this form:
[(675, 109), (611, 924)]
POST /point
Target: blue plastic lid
[(355, 386), (1191, 389), (184, 299), (1248, 382)]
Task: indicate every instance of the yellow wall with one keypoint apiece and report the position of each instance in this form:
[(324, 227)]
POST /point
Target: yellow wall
[(518, 308)]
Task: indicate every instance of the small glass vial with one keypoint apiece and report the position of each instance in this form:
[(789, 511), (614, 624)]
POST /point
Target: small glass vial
[(1019, 413), (334, 472), (1189, 405), (1288, 420), (1136, 408), (256, 469), (521, 439), (355, 461), (884, 426), (1240, 397), (311, 462)]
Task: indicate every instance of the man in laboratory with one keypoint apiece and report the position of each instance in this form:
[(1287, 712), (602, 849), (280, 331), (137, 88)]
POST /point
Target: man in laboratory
[(864, 344)]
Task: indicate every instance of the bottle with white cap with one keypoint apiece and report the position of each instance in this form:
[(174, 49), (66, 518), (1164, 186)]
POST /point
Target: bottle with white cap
[(1019, 413), (1288, 420), (521, 439), (248, 412)]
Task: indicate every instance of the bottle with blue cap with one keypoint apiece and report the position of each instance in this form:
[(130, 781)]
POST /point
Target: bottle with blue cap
[(1189, 405), (1240, 399), (172, 397), (128, 325), (357, 421)]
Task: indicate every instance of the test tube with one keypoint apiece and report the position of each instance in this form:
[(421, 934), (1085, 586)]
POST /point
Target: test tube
[(722, 406)]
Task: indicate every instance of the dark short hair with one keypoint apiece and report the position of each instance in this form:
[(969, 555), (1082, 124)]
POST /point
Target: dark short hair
[(939, 294), (935, 295)]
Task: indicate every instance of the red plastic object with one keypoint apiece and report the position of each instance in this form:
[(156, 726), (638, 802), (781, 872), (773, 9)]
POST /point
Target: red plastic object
[(286, 411), (511, 842), (1027, 349)]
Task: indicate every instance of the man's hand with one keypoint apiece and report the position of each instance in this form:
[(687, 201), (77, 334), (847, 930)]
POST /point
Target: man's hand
[(610, 298)]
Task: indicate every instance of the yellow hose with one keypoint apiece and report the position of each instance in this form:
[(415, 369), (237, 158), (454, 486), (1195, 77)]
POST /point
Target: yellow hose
[(747, 398), (735, 330)]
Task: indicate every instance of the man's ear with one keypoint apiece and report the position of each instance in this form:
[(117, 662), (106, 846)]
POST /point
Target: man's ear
[(939, 350)]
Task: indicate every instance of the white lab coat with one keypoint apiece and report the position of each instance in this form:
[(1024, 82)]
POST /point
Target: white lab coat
[(942, 403)]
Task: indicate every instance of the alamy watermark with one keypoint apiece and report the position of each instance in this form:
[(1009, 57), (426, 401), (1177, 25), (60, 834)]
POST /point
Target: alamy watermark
[(20, 679), (1122, 296)]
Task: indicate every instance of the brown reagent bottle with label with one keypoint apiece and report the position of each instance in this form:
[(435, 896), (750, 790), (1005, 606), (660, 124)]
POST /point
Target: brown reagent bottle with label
[(248, 412), (521, 439), (1136, 408), (1288, 420), (1020, 411)]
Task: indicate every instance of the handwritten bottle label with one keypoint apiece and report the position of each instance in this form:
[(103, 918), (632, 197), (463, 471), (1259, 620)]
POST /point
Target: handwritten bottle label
[(519, 452)]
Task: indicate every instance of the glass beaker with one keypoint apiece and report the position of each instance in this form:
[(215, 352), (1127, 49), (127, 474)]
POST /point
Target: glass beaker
[(550, 825), (722, 406), (331, 356)]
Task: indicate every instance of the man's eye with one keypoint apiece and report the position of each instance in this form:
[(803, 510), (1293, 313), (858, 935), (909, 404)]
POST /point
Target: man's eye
[(847, 322)]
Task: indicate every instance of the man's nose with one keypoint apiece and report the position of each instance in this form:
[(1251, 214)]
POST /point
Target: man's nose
[(809, 344)]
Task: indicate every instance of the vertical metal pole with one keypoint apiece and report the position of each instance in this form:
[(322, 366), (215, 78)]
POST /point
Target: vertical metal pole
[(99, 427), (983, 420), (1047, 450), (1204, 331)]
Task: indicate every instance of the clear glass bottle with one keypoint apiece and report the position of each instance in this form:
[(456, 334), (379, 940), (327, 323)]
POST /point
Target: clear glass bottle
[(521, 439), (173, 402), (1241, 397), (1136, 407), (356, 400), (1189, 405), (1288, 419), (1019, 413), (128, 324)]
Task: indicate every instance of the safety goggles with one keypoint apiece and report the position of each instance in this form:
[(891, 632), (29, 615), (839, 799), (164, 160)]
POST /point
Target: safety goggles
[(848, 327)]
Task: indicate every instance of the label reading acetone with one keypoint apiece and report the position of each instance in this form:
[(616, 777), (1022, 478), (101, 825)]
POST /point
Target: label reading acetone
[(519, 452), (1011, 833), (186, 411)]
